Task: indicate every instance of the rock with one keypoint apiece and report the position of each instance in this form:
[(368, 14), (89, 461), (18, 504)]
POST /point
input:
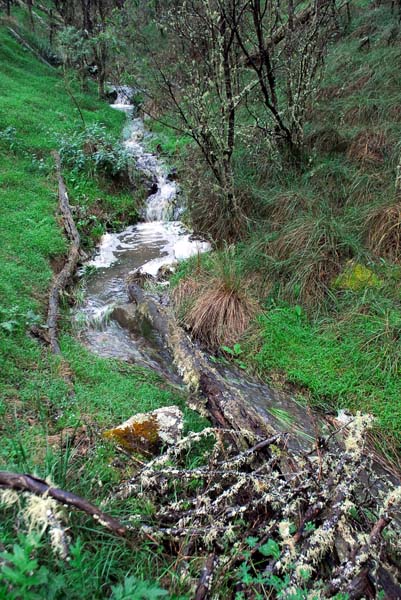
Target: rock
[(126, 316), (153, 188), (172, 176), (139, 277), (149, 432), (164, 273)]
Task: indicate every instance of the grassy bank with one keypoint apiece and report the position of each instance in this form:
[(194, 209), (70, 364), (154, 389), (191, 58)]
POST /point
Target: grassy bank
[(37, 410), (320, 252)]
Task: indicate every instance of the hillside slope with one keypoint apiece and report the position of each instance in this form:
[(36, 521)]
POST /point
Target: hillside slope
[(39, 416)]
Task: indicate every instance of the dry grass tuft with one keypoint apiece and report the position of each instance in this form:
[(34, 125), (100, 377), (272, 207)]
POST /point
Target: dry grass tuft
[(215, 303), (327, 139), (369, 148), (311, 253), (284, 208), (365, 113), (185, 292), (384, 231), (395, 113), (358, 84), (220, 316)]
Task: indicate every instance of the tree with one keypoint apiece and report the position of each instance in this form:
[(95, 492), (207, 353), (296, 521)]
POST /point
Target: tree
[(90, 20), (284, 48), (196, 77)]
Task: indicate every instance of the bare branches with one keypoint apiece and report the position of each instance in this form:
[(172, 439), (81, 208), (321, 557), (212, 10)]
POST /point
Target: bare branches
[(33, 485)]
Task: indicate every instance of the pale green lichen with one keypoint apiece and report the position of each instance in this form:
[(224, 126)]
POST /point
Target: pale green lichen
[(356, 277)]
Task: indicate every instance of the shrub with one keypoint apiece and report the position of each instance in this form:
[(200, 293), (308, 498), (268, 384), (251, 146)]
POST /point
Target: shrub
[(95, 151)]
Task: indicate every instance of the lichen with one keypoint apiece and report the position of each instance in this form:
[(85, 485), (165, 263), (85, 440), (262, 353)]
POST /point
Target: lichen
[(356, 277)]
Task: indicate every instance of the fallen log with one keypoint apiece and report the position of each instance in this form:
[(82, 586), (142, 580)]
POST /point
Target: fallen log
[(221, 402), (61, 280), (33, 485)]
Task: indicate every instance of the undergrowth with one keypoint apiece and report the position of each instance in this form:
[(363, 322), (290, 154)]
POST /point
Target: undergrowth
[(322, 247)]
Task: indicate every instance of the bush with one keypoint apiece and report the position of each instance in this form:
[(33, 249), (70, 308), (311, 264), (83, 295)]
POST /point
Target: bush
[(93, 150)]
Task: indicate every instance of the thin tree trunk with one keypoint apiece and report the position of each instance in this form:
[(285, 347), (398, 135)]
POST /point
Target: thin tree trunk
[(29, 3)]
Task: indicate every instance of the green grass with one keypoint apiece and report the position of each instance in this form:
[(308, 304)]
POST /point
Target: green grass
[(35, 400), (308, 221)]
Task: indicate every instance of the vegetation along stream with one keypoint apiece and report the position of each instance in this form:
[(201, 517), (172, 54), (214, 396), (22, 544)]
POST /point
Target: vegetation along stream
[(200, 366)]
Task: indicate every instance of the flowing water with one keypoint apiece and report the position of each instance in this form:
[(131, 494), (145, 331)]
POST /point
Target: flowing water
[(103, 318), (160, 240)]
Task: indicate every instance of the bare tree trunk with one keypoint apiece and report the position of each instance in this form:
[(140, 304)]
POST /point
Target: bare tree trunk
[(29, 4)]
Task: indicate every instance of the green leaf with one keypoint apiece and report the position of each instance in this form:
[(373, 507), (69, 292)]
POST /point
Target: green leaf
[(9, 325), (271, 548), (252, 541), (228, 350)]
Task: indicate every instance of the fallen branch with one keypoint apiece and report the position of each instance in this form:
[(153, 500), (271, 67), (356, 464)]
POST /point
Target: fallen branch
[(205, 579), (21, 41), (223, 403), (61, 280), (33, 485)]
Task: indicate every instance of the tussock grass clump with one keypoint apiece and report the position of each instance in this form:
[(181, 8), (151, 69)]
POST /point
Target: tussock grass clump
[(384, 231), (284, 207), (310, 253), (369, 148), (216, 304), (327, 139)]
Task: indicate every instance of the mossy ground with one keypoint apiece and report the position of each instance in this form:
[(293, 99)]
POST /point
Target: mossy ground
[(36, 403)]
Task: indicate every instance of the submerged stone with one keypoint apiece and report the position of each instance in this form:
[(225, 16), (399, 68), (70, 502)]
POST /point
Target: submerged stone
[(149, 432)]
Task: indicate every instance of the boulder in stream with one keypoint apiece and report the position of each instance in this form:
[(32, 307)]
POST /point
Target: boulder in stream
[(149, 432), (126, 316)]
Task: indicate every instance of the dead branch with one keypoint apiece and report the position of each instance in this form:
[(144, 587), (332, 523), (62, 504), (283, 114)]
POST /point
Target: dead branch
[(33, 485), (61, 280), (21, 41), (203, 588)]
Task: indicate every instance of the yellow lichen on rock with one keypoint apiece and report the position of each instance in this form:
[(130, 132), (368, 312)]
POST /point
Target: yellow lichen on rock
[(148, 432)]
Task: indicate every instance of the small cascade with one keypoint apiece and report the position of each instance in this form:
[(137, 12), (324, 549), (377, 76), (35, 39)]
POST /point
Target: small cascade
[(162, 204), (124, 98), (159, 240)]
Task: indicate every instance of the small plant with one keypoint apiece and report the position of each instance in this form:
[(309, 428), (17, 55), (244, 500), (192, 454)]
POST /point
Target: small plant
[(12, 319), (235, 353), (134, 589), (94, 151), (22, 576), (9, 139)]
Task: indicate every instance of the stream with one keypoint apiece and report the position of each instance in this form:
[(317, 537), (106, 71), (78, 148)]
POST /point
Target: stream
[(160, 239)]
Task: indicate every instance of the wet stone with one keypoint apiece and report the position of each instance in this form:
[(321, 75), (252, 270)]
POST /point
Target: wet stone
[(126, 316), (149, 432)]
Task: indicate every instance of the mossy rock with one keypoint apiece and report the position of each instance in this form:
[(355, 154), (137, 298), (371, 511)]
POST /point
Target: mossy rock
[(148, 432)]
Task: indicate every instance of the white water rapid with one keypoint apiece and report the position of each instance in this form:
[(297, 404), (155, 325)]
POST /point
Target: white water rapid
[(158, 241)]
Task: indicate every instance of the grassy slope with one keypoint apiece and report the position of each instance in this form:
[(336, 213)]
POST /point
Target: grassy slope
[(343, 352), (35, 402), (349, 358)]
